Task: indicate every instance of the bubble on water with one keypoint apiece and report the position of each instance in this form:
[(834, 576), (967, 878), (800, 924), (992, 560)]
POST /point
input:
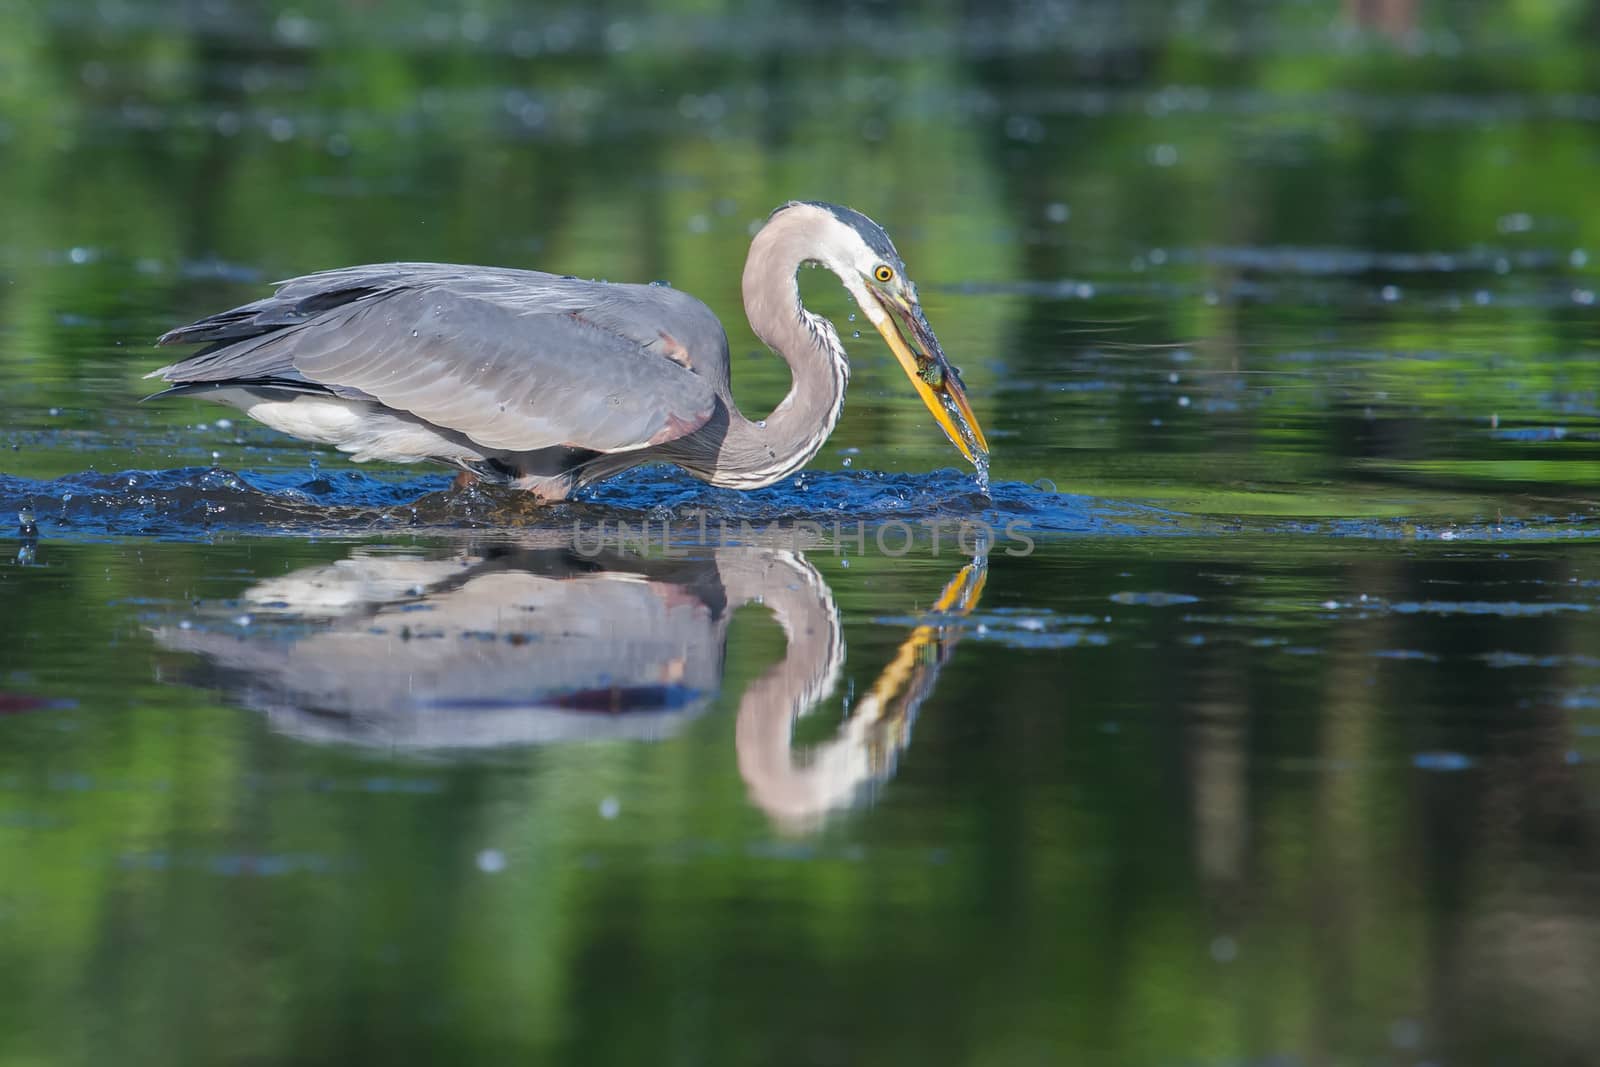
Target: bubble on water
[(55, 411), (1390, 293), (1164, 155), (1045, 485), (1172, 378), (294, 28), (491, 861), (1224, 949), (1057, 212), (610, 808), (1482, 298), (852, 316), (81, 255), (1183, 401), (1158, 256), (1405, 1033), (856, 334), (242, 620), (1578, 258), (1583, 296), (844, 562), (224, 424), (846, 461)]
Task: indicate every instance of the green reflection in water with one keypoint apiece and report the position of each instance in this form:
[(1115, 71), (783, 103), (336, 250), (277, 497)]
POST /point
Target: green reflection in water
[(1244, 261)]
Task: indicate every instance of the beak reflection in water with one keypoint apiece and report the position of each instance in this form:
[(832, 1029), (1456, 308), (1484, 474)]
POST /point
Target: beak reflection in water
[(621, 647)]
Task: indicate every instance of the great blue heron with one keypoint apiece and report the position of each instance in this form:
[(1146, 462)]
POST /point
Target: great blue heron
[(543, 645), (552, 382)]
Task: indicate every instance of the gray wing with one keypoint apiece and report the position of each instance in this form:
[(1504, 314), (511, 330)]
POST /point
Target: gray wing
[(515, 360)]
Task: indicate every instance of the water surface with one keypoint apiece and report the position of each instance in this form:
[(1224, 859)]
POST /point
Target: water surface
[(1253, 717)]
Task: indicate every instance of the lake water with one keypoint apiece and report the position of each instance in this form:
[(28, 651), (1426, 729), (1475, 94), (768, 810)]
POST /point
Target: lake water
[(1252, 718)]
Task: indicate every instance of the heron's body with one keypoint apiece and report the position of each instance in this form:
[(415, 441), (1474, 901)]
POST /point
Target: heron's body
[(548, 381)]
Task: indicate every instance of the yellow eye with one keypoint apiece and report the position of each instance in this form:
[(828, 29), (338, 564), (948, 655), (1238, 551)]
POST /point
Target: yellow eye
[(884, 273)]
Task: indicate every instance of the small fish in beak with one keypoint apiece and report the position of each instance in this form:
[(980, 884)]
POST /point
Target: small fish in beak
[(905, 329)]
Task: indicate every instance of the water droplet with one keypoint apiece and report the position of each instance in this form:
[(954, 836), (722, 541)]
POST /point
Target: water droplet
[(491, 861), (856, 334), (761, 424), (844, 563), (1183, 401), (1057, 212), (1578, 258), (852, 316), (413, 333), (846, 461), (1390, 293), (610, 808)]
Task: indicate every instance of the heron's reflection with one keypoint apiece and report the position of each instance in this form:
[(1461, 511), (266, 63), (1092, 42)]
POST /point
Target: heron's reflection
[(515, 646)]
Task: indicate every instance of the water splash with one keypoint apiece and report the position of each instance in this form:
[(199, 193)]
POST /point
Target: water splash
[(200, 502)]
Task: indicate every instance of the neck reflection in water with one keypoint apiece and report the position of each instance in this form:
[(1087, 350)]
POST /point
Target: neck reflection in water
[(520, 646)]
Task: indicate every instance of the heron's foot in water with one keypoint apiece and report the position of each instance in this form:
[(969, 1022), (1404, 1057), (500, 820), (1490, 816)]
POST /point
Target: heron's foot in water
[(463, 480)]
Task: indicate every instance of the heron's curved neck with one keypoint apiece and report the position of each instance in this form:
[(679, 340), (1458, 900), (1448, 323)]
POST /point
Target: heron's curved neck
[(763, 452)]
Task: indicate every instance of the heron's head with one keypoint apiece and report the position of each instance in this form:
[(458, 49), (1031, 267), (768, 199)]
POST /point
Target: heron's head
[(860, 252)]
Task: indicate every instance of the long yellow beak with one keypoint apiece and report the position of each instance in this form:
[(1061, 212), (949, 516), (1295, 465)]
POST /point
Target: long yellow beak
[(934, 379)]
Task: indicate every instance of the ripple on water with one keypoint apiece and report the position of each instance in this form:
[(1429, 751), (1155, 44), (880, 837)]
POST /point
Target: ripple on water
[(1014, 628), (197, 502)]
